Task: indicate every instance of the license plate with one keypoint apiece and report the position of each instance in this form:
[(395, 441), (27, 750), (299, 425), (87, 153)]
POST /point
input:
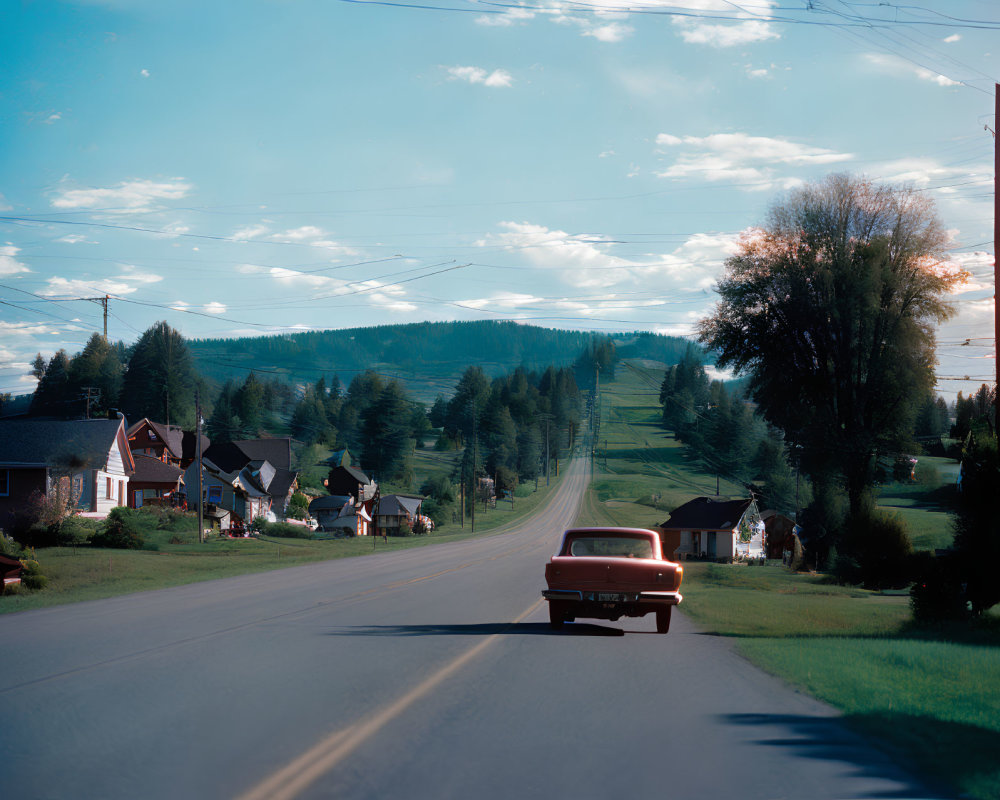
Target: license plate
[(608, 597)]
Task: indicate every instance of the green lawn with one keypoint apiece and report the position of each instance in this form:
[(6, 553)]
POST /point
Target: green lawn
[(929, 695)]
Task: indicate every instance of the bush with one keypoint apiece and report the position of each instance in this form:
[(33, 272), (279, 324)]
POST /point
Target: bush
[(882, 549), (120, 531), (938, 595), (436, 510), (298, 506), (281, 530), (75, 530), (32, 577), (404, 529), (440, 488)]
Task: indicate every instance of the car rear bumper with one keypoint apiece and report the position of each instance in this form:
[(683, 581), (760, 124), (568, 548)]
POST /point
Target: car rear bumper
[(625, 598)]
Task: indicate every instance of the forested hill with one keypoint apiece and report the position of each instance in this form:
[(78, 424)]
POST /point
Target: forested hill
[(428, 356)]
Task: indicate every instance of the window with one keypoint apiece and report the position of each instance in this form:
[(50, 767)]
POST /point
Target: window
[(4, 482), (107, 489), (214, 494)]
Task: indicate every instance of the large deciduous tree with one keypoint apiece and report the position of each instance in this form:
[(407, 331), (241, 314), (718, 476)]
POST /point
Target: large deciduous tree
[(830, 309)]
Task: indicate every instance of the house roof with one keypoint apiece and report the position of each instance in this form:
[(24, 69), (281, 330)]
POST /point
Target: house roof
[(707, 514), (331, 502), (277, 451), (396, 505), (339, 458), (171, 435), (149, 469), (233, 456), (353, 472), (74, 443)]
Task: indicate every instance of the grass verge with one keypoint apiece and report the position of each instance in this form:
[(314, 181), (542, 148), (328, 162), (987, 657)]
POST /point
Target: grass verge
[(927, 695)]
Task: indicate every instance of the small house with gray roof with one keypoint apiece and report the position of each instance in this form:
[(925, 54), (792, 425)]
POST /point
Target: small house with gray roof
[(84, 462), (715, 528)]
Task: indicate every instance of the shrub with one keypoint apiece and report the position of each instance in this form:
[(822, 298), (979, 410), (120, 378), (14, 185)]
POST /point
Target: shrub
[(437, 511), (440, 488), (32, 577), (75, 530), (882, 548), (405, 529), (281, 530), (938, 595), (298, 506), (120, 531)]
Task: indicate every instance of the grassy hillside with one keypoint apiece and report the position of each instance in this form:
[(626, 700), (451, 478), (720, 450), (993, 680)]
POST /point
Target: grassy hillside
[(927, 695), (428, 357)]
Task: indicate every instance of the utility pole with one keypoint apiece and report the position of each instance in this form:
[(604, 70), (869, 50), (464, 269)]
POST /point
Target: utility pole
[(92, 394), (197, 440), (996, 241), (104, 302), (475, 459)]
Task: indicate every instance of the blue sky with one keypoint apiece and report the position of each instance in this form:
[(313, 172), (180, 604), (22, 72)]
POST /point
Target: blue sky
[(286, 165)]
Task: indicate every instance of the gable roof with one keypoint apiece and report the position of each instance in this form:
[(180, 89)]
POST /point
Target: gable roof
[(396, 505), (277, 451), (331, 502), (74, 443), (171, 435), (353, 472), (233, 456), (708, 514), (149, 469)]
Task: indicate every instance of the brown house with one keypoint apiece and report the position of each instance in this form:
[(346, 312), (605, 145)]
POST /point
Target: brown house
[(155, 482)]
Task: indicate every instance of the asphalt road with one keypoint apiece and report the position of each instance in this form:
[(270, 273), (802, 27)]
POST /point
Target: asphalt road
[(429, 673)]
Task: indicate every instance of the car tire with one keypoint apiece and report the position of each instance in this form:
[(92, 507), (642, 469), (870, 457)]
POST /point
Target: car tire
[(556, 616), (663, 619)]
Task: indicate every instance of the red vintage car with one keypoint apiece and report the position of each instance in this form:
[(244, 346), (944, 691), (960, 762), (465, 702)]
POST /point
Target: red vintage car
[(609, 573)]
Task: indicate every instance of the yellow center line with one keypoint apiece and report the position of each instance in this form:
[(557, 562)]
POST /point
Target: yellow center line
[(299, 774)]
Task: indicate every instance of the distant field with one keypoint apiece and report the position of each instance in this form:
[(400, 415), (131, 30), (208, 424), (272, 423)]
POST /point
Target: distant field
[(929, 696)]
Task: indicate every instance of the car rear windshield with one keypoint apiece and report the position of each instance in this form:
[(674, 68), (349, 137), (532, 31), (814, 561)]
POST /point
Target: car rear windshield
[(619, 546)]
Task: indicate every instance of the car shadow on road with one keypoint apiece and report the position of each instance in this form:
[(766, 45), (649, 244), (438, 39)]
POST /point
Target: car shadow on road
[(855, 739), (480, 629)]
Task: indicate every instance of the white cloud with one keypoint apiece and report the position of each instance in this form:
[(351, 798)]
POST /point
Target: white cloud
[(42, 117), (9, 265), (745, 29), (923, 171), (761, 72), (952, 39), (250, 232), (144, 73), (214, 307), (586, 261), (894, 65), (138, 195), (126, 283), (75, 238), (25, 329), (477, 75), (612, 32), (299, 234), (506, 18), (726, 35), (737, 157)]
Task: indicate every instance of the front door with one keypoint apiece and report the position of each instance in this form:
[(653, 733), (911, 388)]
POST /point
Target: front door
[(137, 494)]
